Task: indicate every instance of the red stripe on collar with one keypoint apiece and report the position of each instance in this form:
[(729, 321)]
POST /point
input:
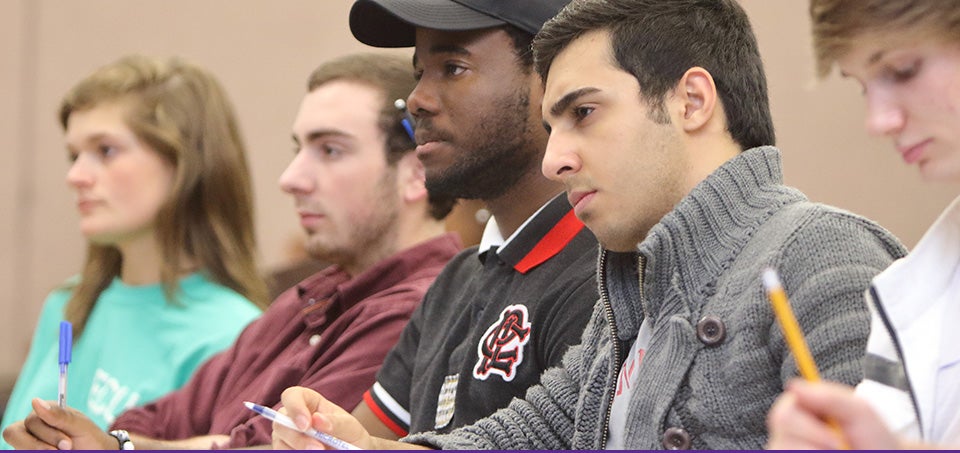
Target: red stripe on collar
[(552, 243)]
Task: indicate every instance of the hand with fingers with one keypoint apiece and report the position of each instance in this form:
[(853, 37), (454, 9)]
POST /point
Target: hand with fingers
[(308, 408), (50, 427), (797, 419)]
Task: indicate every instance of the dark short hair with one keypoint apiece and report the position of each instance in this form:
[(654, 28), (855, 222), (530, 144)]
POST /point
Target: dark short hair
[(392, 76), (522, 46), (657, 41)]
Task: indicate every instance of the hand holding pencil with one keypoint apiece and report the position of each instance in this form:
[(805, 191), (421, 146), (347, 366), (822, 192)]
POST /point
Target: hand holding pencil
[(797, 420)]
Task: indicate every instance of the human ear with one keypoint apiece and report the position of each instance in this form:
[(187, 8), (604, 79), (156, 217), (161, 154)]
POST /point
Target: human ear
[(698, 94), (411, 178)]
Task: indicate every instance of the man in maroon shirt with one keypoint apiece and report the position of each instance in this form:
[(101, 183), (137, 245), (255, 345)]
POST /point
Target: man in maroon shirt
[(360, 196)]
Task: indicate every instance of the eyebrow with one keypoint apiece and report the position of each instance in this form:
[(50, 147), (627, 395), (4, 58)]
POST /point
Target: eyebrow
[(442, 49), (569, 98), (320, 133), (95, 137), (873, 59)]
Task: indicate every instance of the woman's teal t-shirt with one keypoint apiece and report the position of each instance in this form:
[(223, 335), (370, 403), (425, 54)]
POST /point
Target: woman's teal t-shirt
[(136, 346)]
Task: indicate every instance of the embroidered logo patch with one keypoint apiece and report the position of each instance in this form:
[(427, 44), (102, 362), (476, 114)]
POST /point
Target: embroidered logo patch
[(501, 348), (448, 395)]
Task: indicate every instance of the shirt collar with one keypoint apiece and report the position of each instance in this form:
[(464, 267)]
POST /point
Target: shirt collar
[(492, 236), (543, 235)]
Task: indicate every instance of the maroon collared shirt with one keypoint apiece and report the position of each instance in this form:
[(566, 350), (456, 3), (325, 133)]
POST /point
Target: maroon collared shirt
[(329, 333)]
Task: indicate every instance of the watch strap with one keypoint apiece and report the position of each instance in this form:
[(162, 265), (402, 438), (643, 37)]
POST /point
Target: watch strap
[(123, 439)]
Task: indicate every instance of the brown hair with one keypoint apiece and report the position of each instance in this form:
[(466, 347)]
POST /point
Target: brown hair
[(837, 22), (393, 76), (657, 41), (181, 112)]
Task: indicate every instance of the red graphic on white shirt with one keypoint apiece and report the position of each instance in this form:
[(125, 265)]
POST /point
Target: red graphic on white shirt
[(627, 372)]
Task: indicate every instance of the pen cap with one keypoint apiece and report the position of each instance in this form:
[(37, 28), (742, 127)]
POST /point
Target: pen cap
[(401, 106), (66, 341), (407, 120)]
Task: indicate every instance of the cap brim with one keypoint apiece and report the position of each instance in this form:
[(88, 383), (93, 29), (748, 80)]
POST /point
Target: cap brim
[(393, 23)]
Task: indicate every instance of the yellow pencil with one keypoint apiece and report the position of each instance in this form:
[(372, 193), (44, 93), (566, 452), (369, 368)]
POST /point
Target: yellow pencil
[(793, 335)]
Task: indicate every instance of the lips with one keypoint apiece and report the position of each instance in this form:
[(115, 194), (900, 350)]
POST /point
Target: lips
[(426, 133), (309, 220), (579, 199), (427, 148), (424, 139), (428, 138), (427, 141), (309, 212), (85, 205), (913, 153)]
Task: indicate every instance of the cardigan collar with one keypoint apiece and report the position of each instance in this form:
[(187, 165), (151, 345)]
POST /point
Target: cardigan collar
[(691, 246)]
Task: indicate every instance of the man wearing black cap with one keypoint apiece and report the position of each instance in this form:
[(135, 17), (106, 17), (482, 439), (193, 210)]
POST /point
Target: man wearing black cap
[(502, 313), (660, 129)]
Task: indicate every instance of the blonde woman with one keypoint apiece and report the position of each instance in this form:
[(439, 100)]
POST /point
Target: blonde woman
[(163, 195), (905, 54)]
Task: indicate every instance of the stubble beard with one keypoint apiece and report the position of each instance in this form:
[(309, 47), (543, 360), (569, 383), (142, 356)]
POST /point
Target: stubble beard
[(502, 155), (370, 238)]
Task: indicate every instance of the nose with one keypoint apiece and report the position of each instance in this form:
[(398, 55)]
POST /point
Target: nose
[(560, 159), (298, 177), (422, 101), (80, 174), (884, 115)]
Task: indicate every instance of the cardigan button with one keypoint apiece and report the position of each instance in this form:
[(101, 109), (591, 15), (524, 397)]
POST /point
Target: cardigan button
[(676, 439), (711, 331)]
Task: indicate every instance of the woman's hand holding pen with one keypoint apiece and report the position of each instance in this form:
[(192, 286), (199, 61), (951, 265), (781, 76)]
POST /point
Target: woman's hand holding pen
[(308, 408), (53, 427)]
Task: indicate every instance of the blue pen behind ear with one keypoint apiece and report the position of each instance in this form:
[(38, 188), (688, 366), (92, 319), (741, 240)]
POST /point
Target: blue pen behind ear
[(407, 121)]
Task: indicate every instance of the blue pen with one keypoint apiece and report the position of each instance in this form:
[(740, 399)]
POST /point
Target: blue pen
[(273, 415), (66, 350), (407, 120)]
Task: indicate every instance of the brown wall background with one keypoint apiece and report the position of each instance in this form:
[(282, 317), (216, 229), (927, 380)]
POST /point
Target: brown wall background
[(262, 52)]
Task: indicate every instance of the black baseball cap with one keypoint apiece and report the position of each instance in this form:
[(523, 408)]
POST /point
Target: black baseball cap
[(393, 23)]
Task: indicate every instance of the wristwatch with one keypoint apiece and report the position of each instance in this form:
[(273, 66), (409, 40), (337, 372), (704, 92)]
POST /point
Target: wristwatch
[(123, 438)]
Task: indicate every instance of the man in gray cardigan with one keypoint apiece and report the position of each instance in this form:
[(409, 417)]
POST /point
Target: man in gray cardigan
[(661, 131)]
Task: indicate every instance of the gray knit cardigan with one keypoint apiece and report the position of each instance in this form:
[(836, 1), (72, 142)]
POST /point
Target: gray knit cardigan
[(704, 259)]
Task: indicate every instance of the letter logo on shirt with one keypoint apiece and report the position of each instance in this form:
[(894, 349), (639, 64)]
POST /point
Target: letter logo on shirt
[(108, 397), (500, 350)]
